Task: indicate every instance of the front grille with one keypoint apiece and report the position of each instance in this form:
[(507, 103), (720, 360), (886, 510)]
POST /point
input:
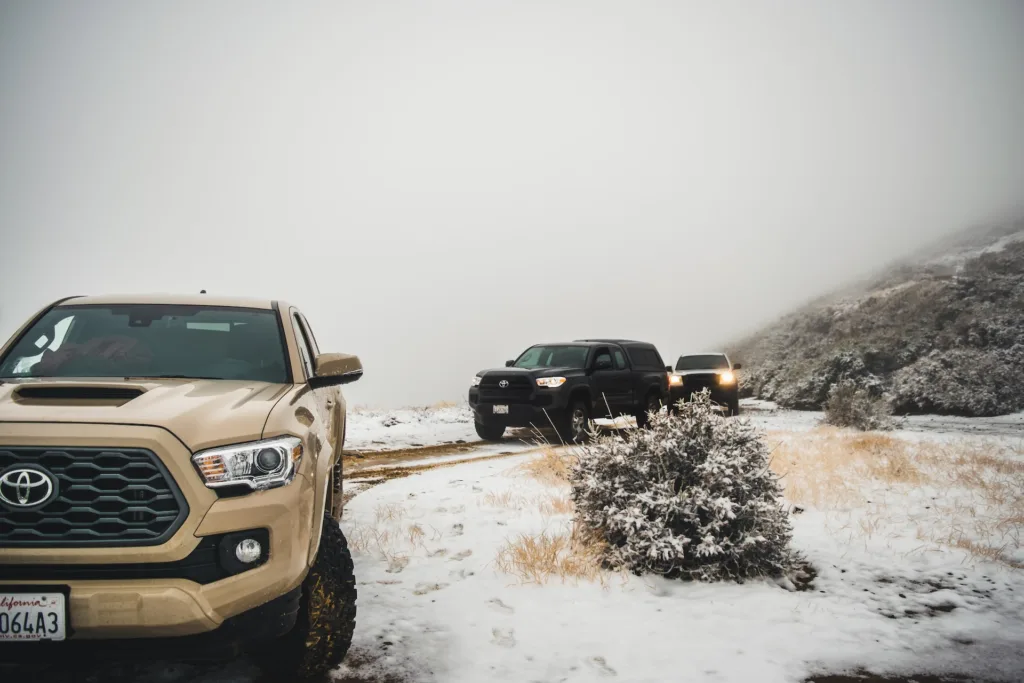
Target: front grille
[(105, 497), (519, 389), (694, 384)]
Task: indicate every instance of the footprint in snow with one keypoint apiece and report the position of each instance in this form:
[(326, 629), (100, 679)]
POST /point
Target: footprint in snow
[(440, 552), (599, 665), (460, 574), (457, 529), (503, 638), (424, 588), (397, 564), (461, 556), (497, 605)]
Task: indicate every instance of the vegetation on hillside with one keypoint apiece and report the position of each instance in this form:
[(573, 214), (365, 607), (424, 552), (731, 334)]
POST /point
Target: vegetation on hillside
[(942, 336)]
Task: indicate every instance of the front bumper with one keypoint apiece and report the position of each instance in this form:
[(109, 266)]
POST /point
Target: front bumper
[(536, 411), (148, 598)]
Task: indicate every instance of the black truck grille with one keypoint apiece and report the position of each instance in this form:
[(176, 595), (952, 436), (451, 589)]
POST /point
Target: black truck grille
[(518, 389), (105, 497)]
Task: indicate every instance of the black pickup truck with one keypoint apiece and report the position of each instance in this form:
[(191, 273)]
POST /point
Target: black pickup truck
[(566, 385)]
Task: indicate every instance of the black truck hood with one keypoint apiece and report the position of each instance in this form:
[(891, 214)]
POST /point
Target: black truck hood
[(533, 373)]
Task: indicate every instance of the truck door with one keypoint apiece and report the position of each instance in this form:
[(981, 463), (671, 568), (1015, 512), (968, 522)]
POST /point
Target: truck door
[(611, 384)]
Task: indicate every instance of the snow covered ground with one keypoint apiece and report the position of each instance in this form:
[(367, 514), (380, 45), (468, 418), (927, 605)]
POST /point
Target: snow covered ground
[(380, 430), (435, 604), (894, 593)]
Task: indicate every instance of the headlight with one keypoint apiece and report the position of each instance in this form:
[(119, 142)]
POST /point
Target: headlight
[(550, 382), (259, 465), (675, 380), (726, 378), (476, 381)]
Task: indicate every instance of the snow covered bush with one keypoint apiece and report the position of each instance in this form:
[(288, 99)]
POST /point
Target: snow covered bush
[(692, 497), (851, 405)]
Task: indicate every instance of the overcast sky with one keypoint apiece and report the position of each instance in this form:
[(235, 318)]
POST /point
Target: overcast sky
[(439, 184)]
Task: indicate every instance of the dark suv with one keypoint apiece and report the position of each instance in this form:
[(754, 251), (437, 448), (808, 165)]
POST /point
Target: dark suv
[(711, 371), (566, 385)]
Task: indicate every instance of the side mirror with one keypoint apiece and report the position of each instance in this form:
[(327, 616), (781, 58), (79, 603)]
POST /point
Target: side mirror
[(603, 364), (332, 369), (737, 366), (509, 363), (668, 368)]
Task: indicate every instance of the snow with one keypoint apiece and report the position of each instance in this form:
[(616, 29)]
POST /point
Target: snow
[(435, 607), (379, 430)]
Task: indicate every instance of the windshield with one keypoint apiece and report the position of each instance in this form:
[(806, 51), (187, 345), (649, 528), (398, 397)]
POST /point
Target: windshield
[(703, 362), (561, 356), (151, 341)]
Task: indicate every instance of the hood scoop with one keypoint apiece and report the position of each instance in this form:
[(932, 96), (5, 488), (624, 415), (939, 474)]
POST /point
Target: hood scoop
[(76, 394)]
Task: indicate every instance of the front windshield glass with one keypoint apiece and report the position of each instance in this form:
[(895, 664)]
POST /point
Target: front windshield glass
[(703, 362), (560, 356), (151, 341)]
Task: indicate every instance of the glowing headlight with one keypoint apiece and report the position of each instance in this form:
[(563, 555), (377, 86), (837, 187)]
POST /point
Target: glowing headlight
[(550, 382), (259, 465), (476, 381), (675, 380), (726, 377)]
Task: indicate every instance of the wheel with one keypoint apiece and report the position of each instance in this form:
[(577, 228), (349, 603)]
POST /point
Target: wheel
[(652, 404), (575, 422), (489, 432), (327, 614), (734, 406)]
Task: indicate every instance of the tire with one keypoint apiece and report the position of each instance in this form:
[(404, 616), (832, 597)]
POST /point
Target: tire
[(734, 407), (652, 404), (327, 615), (489, 432), (575, 422)]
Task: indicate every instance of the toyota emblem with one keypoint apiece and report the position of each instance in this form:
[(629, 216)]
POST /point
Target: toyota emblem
[(503, 384), (22, 488)]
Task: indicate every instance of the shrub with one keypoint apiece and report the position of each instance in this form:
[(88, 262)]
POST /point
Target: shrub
[(850, 405), (692, 497)]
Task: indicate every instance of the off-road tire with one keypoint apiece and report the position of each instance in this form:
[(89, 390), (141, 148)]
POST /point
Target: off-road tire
[(572, 428), (651, 404), (327, 615), (489, 432)]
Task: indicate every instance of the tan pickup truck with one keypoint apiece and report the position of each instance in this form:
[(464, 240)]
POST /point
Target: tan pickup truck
[(170, 475)]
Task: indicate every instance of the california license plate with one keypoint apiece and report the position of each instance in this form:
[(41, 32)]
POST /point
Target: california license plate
[(500, 410), (32, 616)]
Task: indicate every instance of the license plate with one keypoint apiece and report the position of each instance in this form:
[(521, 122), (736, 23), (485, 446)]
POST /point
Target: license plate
[(500, 410), (32, 616)]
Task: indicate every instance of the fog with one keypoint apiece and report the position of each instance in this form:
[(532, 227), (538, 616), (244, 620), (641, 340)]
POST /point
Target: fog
[(438, 185)]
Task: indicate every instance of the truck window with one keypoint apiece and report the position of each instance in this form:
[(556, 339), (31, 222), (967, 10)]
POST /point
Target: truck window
[(620, 359)]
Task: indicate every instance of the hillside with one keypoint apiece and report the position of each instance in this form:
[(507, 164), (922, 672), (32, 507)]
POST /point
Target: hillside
[(940, 333)]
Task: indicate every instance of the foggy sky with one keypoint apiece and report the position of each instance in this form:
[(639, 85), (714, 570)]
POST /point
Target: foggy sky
[(440, 184)]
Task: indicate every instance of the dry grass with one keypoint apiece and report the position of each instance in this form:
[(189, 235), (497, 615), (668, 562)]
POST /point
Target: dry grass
[(556, 505), (506, 499), (551, 466), (538, 558), (392, 512), (964, 494)]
